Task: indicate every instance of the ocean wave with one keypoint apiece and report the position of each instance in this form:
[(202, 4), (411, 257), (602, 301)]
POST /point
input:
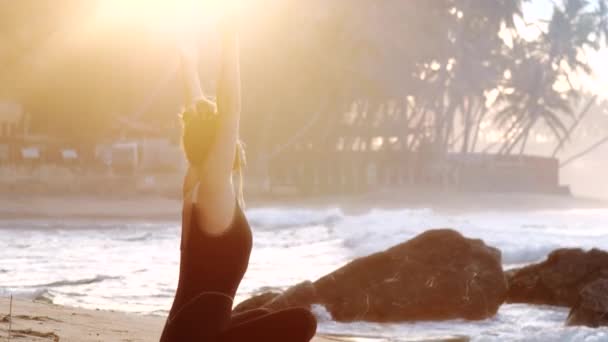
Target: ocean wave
[(85, 281), (521, 255), (144, 237), (321, 313), (517, 235), (162, 313), (520, 323), (281, 218), (158, 295), (380, 229), (43, 294), (265, 289), (71, 294)]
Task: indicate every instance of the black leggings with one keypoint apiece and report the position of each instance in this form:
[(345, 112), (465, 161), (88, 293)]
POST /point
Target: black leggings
[(208, 318)]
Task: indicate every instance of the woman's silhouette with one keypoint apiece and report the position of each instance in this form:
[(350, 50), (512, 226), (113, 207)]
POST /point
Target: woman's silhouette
[(216, 238)]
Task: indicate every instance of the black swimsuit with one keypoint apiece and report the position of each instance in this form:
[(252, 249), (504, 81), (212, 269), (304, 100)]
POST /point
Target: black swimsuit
[(211, 269)]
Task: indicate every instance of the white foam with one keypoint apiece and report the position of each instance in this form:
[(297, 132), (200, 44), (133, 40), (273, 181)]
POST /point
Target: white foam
[(514, 322), (278, 218), (30, 294), (522, 237)]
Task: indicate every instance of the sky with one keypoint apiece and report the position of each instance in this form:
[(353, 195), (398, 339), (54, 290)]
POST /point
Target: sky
[(538, 9)]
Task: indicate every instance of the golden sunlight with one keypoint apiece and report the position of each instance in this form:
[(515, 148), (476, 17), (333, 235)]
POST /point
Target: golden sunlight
[(164, 16)]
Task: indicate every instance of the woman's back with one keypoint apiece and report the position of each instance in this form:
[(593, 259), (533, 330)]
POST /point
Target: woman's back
[(213, 263)]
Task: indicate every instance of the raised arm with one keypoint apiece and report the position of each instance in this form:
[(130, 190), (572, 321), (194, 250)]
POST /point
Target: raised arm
[(192, 92), (229, 83), (219, 164), (218, 198), (190, 78)]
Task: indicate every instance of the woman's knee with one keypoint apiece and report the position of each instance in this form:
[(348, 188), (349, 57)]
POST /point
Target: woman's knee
[(255, 312), (263, 310), (242, 317), (292, 325)]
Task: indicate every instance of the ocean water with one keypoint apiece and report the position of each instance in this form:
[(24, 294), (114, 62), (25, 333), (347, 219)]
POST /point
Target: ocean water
[(133, 266)]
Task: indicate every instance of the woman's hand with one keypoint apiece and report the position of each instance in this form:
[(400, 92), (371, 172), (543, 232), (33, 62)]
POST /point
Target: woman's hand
[(230, 17)]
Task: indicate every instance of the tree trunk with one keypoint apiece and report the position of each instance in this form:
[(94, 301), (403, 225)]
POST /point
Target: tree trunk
[(299, 134), (262, 167), (480, 117), (417, 131), (524, 142), (467, 127), (405, 114), (509, 142), (509, 148), (579, 119), (448, 127), (584, 152)]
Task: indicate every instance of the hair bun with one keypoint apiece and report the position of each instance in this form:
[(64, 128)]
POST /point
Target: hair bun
[(189, 114)]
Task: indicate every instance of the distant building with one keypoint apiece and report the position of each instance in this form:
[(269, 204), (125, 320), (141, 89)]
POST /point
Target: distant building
[(138, 147), (160, 154), (19, 146), (12, 131)]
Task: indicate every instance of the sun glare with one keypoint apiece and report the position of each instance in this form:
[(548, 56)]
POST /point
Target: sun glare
[(164, 16)]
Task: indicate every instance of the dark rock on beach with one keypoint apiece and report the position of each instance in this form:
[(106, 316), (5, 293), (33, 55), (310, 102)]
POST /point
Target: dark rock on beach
[(256, 301), (301, 295), (558, 280), (592, 307), (438, 275)]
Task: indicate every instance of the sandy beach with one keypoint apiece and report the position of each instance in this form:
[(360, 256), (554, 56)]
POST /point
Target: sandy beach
[(36, 322), (41, 322)]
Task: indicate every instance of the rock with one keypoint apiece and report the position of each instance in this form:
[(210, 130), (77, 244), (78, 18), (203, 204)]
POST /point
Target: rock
[(557, 280), (256, 302), (592, 307), (301, 295), (438, 275)]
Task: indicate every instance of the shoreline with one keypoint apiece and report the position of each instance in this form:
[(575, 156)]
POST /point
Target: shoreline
[(35, 322), (44, 322), (138, 207)]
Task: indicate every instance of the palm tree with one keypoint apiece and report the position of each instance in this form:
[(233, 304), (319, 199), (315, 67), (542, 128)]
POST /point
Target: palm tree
[(540, 66), (530, 98)]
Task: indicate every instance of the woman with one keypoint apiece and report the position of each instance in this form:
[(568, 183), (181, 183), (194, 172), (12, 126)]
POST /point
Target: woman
[(216, 238)]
